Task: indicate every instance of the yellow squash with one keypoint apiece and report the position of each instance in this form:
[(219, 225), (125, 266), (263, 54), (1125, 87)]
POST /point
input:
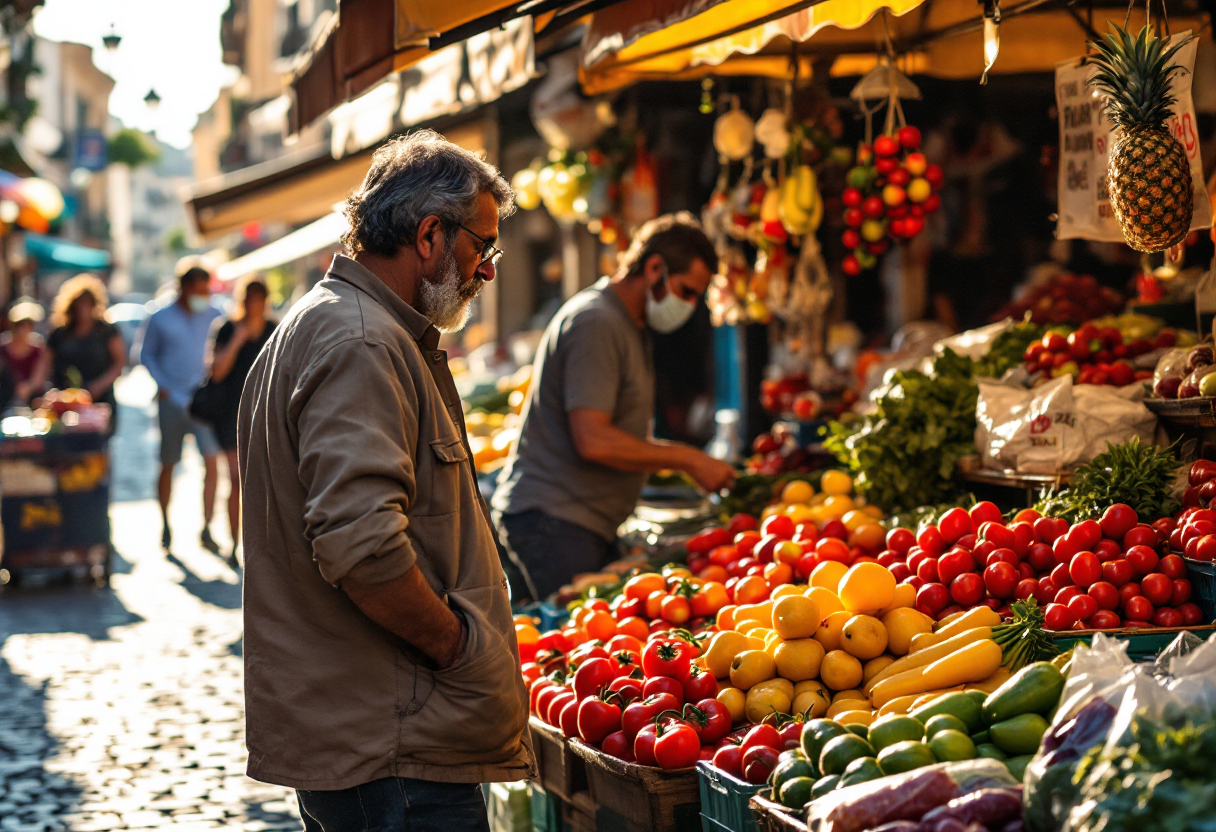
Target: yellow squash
[(973, 662), (929, 655)]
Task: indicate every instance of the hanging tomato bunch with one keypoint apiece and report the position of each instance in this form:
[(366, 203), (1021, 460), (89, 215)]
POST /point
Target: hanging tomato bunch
[(890, 192)]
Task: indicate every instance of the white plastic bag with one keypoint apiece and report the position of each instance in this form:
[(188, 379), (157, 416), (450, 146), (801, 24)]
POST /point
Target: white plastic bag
[(1056, 426)]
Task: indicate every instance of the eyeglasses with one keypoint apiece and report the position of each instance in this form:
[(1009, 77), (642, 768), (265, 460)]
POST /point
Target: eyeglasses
[(489, 251)]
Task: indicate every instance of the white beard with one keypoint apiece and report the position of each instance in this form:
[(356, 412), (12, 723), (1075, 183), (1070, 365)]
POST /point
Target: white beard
[(445, 301)]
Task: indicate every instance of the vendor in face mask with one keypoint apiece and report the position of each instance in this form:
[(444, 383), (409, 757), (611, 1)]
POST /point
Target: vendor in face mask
[(586, 443)]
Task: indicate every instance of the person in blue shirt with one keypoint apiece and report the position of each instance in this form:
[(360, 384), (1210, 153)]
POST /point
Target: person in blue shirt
[(173, 347)]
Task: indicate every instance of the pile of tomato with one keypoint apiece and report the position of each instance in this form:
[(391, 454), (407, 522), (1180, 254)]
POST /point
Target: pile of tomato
[(1095, 574)]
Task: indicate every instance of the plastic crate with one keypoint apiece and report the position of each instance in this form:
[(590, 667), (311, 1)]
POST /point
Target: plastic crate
[(509, 807), (1142, 643), (1203, 586), (640, 798), (724, 799), (546, 810)]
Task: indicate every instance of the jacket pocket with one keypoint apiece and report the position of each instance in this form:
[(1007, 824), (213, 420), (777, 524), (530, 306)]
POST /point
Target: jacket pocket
[(477, 711), (446, 469)]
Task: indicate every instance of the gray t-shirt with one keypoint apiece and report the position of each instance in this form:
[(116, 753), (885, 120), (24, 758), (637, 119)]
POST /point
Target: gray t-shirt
[(592, 356)]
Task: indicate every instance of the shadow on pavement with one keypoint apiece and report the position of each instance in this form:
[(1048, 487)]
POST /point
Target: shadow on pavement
[(217, 593), (30, 796), (91, 612)]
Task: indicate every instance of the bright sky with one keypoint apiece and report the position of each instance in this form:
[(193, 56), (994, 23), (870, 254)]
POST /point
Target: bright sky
[(172, 46)]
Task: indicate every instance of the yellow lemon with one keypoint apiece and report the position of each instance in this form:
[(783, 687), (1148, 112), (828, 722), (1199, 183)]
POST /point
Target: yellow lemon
[(873, 511), (845, 705), (838, 507), (902, 624), (798, 660), (825, 599), (863, 636), (735, 701), (769, 511), (874, 666), (836, 483), (853, 520), (830, 630), (722, 651), (818, 499), (796, 616), (763, 702), (799, 513), (828, 574), (797, 491), (784, 590), (783, 685), (811, 698), (840, 671), (751, 667), (771, 642), (905, 596), (866, 587)]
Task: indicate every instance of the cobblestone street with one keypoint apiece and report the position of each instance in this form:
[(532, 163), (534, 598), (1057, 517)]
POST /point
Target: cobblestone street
[(122, 708)]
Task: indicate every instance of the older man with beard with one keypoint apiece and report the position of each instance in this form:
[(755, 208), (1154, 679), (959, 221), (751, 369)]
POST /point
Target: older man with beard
[(381, 669)]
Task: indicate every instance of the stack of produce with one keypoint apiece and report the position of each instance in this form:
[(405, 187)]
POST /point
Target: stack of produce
[(1186, 374), (1006, 724), (1064, 299), (492, 418), (1092, 355)]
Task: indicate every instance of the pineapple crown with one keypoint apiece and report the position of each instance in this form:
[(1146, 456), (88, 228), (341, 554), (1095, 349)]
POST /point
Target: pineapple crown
[(1135, 73)]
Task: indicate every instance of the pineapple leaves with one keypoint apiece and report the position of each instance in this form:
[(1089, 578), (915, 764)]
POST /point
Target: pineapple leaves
[(1134, 73)]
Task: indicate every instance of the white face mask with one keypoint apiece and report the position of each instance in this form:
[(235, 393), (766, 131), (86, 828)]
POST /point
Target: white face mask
[(198, 303), (670, 313)]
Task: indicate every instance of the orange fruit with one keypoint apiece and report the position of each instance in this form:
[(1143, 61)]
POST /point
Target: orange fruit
[(600, 625), (639, 587), (750, 590), (776, 574), (633, 626), (866, 587)]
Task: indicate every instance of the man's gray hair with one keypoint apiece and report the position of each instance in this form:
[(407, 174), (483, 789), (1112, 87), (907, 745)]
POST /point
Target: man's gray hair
[(413, 177)]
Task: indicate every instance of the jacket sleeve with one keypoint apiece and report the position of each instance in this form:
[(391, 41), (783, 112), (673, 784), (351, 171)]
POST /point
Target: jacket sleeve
[(357, 426)]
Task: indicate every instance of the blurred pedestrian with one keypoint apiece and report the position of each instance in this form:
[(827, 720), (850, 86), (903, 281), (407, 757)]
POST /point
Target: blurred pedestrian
[(83, 350), (22, 348), (173, 347), (235, 345), (381, 668)]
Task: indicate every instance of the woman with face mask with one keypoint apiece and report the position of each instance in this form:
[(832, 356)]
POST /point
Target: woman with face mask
[(83, 350), (586, 443)]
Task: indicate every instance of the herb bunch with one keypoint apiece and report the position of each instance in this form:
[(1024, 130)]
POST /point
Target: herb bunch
[(1135, 474)]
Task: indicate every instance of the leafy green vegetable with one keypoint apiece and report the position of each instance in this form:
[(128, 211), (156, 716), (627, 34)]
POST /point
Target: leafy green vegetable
[(1162, 782), (1008, 348), (1135, 474), (903, 455)]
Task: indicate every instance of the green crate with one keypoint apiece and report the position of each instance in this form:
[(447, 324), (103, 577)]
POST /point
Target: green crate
[(1142, 643), (546, 810), (724, 799), (1202, 575)]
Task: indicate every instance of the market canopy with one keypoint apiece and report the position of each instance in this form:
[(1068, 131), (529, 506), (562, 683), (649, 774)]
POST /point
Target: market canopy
[(54, 254), (371, 39), (322, 233), (644, 39)]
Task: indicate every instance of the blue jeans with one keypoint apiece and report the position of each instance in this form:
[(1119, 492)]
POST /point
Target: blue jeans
[(547, 552), (396, 804)]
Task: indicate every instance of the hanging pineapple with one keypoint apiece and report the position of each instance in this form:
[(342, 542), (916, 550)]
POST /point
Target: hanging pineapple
[(1148, 174)]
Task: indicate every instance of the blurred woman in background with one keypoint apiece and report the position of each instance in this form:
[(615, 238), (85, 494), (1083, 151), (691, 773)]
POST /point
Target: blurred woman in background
[(22, 348), (235, 345), (83, 350)]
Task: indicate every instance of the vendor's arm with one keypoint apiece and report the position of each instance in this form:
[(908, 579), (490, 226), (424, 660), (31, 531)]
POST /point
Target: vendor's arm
[(355, 512), (597, 440)]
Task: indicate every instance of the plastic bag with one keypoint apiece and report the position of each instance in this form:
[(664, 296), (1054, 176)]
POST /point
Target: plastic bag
[(904, 797), (1056, 426)]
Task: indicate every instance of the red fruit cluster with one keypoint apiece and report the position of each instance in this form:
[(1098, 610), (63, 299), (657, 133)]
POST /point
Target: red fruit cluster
[(647, 704), (1199, 493), (1096, 574), (889, 194), (1064, 299), (1092, 355), (751, 753)]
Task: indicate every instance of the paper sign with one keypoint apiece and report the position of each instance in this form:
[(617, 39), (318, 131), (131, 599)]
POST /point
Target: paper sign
[(1086, 135)]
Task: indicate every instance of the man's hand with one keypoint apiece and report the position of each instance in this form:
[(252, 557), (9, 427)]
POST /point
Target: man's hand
[(408, 607), (711, 474)]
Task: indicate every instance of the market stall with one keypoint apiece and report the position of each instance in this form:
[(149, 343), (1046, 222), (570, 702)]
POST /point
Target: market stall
[(55, 487)]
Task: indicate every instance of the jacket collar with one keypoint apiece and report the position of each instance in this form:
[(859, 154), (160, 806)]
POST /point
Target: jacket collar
[(414, 322)]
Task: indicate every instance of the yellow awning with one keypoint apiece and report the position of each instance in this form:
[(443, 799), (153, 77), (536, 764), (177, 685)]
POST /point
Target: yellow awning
[(942, 38)]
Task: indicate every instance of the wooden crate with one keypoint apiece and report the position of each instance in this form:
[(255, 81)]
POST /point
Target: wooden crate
[(561, 772), (773, 817), (645, 798)]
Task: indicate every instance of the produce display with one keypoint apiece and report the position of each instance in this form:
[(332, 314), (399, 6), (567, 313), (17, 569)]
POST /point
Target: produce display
[(1186, 374), (1064, 299), (1092, 355), (492, 418)]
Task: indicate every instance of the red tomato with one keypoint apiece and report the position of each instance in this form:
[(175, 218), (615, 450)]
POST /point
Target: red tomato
[(930, 539), (914, 582), (1129, 590), (1191, 614), (829, 548), (1163, 527), (835, 530), (1118, 572), (717, 720), (1025, 570), (568, 721), (677, 747), (985, 512), (557, 704), (1197, 528), (967, 542), (617, 746), (806, 565), (967, 589), (643, 745), (1049, 529), (628, 687), (778, 524), (699, 685), (982, 550), (1117, 521), (1141, 535), (1086, 535), (1082, 606), (592, 675), (932, 598), (1138, 608), (1172, 566), (916, 557), (1143, 560), (758, 764), (1002, 556), (761, 736), (998, 534), (663, 684), (597, 719), (1045, 593), (899, 570), (1058, 617), (1023, 538), (634, 717), (791, 735), (1085, 570), (900, 540), (1175, 540), (1108, 550), (667, 658), (729, 758), (741, 523), (1040, 556), (1064, 548), (1205, 549), (954, 524), (535, 691), (1066, 594), (745, 542), (928, 570), (1105, 594), (1201, 471), (1026, 588), (1168, 617), (1060, 576), (1104, 620), (1001, 579), (1157, 588), (1181, 593), (952, 564), (554, 640)]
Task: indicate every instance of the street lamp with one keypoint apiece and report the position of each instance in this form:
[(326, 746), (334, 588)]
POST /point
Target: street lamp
[(111, 41), (152, 100)]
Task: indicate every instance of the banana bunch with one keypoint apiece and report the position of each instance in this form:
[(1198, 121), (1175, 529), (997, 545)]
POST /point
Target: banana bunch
[(800, 207)]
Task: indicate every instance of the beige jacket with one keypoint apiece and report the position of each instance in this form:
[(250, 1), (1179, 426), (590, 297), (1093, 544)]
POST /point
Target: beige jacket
[(355, 463)]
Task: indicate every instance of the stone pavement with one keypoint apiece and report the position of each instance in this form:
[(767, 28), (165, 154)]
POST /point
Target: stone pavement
[(122, 708)]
